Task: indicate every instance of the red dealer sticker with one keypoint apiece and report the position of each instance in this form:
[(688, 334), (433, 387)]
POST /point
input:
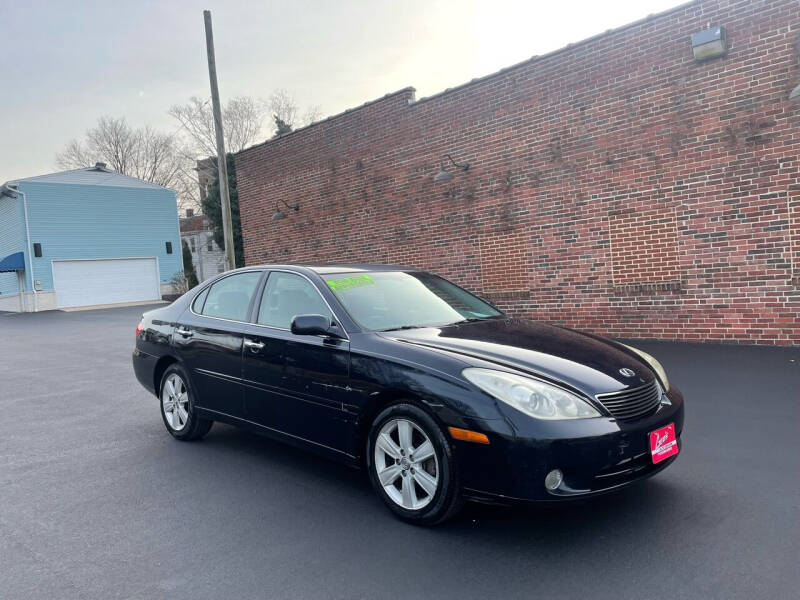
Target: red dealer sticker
[(663, 443)]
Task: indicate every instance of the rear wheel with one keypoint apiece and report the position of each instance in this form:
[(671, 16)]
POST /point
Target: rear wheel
[(177, 406), (411, 466)]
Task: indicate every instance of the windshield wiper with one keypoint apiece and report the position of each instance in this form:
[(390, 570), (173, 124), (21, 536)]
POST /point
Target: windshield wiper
[(402, 327), (472, 320), (462, 321)]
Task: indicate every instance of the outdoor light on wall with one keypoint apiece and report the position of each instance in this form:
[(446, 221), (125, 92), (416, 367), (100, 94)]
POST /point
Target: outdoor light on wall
[(443, 176), (709, 44), (279, 214)]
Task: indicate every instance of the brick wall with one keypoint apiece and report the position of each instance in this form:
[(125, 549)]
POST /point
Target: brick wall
[(615, 186)]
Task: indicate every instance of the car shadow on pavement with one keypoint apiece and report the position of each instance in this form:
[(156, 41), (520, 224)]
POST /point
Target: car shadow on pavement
[(644, 506)]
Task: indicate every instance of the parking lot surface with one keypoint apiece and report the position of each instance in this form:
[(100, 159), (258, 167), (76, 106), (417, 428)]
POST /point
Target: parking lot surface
[(98, 501)]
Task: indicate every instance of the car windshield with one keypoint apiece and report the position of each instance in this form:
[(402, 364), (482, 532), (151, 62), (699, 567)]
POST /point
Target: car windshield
[(386, 300)]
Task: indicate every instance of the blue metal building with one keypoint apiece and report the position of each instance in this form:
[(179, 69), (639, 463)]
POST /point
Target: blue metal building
[(86, 237)]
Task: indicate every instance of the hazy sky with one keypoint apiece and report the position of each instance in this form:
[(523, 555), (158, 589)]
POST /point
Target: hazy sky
[(64, 64)]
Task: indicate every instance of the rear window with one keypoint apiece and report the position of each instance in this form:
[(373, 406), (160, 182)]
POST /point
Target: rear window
[(197, 305), (230, 298)]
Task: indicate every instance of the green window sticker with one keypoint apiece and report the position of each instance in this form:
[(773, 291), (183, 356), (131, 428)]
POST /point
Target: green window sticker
[(345, 283)]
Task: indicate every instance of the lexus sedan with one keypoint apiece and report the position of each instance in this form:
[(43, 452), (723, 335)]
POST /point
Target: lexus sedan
[(437, 393)]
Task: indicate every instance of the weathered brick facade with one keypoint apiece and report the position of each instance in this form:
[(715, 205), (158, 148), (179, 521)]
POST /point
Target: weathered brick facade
[(615, 186)]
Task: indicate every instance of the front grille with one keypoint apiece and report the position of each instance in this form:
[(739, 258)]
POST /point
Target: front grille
[(629, 405)]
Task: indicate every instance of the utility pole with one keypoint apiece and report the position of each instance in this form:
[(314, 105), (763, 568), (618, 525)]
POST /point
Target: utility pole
[(222, 162)]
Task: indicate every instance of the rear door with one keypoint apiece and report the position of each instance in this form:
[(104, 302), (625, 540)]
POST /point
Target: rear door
[(209, 339), (295, 384)]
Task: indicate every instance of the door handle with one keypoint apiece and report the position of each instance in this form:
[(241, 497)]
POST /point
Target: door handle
[(185, 332), (253, 346)]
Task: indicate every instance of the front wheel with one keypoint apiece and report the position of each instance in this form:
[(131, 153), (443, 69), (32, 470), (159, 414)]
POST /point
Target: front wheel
[(177, 406), (411, 466)]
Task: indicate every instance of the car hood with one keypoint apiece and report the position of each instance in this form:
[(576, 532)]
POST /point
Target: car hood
[(582, 361)]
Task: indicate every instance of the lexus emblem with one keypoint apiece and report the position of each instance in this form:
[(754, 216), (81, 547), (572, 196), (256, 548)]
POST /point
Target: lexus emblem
[(627, 372)]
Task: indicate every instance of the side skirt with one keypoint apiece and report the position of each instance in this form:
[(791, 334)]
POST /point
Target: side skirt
[(298, 442)]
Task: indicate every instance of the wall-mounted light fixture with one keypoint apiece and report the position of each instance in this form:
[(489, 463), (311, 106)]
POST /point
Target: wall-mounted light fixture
[(709, 43), (443, 176), (279, 214)]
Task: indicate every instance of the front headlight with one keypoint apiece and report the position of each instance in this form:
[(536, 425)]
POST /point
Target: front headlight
[(535, 398), (654, 364)]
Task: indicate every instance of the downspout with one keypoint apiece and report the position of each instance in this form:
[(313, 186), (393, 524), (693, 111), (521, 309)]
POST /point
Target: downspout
[(16, 190)]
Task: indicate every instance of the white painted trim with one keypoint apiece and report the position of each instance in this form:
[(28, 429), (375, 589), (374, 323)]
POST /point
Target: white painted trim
[(6, 304), (29, 244), (44, 301), (21, 287), (52, 260)]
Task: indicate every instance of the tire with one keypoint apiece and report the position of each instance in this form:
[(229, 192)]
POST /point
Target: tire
[(402, 480), (189, 426)]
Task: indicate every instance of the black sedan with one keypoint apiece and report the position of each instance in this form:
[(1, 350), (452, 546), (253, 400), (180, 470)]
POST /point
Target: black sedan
[(438, 393)]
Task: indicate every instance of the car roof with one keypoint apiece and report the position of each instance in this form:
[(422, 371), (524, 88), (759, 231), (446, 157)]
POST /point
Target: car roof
[(324, 269)]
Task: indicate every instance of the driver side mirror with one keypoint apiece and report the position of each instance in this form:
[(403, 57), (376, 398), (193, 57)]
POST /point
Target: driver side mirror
[(312, 325)]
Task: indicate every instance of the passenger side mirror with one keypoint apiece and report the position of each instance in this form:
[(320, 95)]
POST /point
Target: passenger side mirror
[(312, 325)]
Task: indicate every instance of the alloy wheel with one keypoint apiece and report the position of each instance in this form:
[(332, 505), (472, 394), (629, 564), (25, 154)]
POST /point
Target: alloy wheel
[(406, 464), (175, 402)]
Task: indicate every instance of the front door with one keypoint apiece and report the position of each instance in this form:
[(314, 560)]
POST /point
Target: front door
[(209, 339), (295, 384)]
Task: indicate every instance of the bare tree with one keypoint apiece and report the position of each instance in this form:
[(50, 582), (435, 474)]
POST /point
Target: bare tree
[(143, 153), (111, 141), (242, 119), (285, 111), (156, 157), (115, 141), (312, 114), (75, 156)]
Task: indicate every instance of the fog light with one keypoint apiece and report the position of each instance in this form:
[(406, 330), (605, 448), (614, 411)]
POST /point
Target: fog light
[(553, 479)]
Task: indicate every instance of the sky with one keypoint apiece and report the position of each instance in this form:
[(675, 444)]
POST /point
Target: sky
[(65, 64)]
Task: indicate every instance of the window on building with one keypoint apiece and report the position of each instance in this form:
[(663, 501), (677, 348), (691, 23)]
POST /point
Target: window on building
[(230, 297), (210, 246), (169, 247), (191, 244)]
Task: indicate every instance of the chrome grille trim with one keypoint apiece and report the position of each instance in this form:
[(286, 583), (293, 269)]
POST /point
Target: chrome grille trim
[(632, 404)]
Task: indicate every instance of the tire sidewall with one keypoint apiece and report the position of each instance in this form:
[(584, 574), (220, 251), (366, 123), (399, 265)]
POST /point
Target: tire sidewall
[(445, 497), (188, 429)]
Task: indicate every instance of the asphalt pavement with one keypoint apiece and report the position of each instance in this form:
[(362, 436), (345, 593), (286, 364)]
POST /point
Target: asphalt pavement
[(98, 501)]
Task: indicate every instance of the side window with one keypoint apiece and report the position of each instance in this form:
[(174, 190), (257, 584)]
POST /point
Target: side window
[(287, 295), (230, 297), (197, 305)]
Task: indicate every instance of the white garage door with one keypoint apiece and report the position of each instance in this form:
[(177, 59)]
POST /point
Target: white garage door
[(107, 281)]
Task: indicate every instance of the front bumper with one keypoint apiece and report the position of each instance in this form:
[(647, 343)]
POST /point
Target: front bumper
[(595, 455)]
